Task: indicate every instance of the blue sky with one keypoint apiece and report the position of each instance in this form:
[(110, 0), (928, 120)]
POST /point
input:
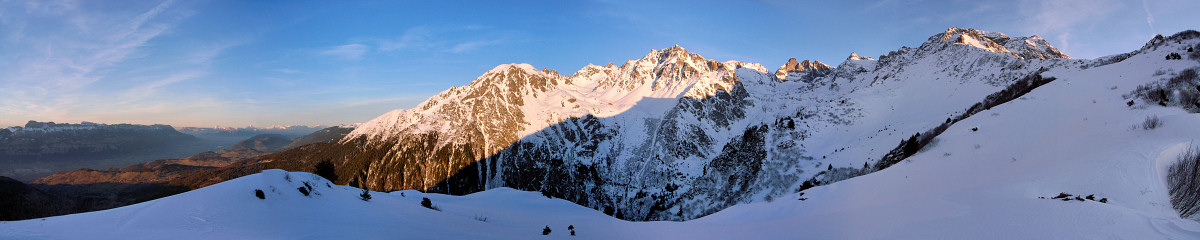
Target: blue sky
[(239, 63)]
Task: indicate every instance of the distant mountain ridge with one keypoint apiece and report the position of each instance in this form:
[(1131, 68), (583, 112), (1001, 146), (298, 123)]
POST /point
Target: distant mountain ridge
[(288, 131), (86, 190), (41, 148)]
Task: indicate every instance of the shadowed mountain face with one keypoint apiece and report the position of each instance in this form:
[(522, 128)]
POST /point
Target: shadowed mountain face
[(670, 136), (23, 202)]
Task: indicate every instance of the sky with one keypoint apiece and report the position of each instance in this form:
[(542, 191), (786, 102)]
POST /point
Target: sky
[(263, 63)]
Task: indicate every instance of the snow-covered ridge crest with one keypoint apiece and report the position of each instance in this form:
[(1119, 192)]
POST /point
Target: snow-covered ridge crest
[(1032, 47), (528, 99)]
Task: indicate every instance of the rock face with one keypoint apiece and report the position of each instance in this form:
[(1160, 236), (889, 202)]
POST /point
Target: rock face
[(672, 135), (1032, 47), (801, 68)]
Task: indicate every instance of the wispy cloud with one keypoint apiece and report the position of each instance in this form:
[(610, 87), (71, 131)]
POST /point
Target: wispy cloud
[(449, 39), (57, 52), (472, 45), (1060, 18), (151, 88), (353, 51), (1149, 17), (414, 38)]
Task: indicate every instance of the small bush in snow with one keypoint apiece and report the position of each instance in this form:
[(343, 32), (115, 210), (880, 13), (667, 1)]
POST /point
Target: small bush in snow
[(480, 218), (546, 231), (1181, 90), (428, 204), (1183, 183), (1151, 122), (1174, 56), (572, 228), (366, 195), (259, 193), (302, 190)]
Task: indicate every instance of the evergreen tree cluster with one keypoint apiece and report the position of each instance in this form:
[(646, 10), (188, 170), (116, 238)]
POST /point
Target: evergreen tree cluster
[(1174, 56)]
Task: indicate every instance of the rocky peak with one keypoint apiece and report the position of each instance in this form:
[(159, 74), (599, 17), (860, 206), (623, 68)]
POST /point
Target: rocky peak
[(516, 78), (803, 66), (855, 56), (1032, 47), (968, 37)]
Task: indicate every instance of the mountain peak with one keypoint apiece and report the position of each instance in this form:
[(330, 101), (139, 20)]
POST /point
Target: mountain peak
[(803, 66), (855, 56), (674, 52), (506, 67), (1032, 47)]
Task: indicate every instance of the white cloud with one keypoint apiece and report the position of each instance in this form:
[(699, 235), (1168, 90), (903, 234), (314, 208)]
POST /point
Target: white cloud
[(353, 51)]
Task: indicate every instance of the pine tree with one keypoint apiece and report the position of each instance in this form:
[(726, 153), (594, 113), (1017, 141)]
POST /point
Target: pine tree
[(326, 170), (366, 195), (912, 145), (546, 231)]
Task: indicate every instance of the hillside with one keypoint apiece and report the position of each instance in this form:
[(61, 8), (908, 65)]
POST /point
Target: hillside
[(86, 190)]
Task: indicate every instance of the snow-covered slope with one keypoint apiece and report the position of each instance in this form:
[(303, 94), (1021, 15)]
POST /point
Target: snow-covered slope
[(993, 175)]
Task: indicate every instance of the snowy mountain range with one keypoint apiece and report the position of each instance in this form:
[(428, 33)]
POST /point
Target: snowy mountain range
[(675, 136), (973, 134)]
